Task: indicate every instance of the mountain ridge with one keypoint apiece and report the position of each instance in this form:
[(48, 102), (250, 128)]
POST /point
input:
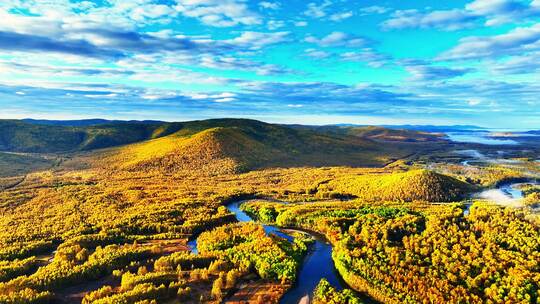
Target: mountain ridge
[(216, 145), (23, 136), (97, 121)]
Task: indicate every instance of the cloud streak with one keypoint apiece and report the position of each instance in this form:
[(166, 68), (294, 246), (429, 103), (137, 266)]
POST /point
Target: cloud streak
[(490, 12), (517, 41), (338, 39), (208, 58), (31, 43)]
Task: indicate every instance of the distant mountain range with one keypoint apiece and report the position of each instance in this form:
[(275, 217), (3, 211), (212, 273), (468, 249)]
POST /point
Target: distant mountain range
[(424, 128), (214, 145), (83, 122), (222, 145), (98, 121)]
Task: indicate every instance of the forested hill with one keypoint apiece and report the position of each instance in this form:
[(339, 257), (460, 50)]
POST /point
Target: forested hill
[(20, 136), (237, 145), (413, 185), (386, 134)]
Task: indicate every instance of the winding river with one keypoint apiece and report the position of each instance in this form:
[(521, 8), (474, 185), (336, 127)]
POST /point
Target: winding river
[(317, 264)]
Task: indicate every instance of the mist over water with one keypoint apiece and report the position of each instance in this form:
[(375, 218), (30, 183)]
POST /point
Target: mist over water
[(478, 138), (499, 197), (507, 195), (470, 153)]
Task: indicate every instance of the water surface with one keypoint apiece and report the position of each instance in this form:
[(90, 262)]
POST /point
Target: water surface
[(317, 264)]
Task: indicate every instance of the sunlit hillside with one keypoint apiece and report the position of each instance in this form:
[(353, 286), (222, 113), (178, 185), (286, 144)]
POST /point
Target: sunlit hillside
[(414, 185), (216, 150), (218, 146)]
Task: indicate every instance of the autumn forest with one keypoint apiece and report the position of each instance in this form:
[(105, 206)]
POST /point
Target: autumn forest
[(241, 211)]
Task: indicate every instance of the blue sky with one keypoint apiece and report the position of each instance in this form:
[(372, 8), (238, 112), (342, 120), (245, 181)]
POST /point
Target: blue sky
[(312, 62)]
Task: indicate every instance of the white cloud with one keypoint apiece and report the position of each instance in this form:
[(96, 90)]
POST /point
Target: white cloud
[(520, 64), (50, 17), (336, 39), (445, 20), (275, 24), (425, 72), (341, 16), (226, 99), (474, 101), (317, 54), (270, 5), (368, 56), (177, 76), (152, 11), (28, 68), (224, 95), (196, 96), (28, 25), (516, 41), (494, 12), (257, 40), (315, 10), (220, 13), (503, 11), (375, 9)]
